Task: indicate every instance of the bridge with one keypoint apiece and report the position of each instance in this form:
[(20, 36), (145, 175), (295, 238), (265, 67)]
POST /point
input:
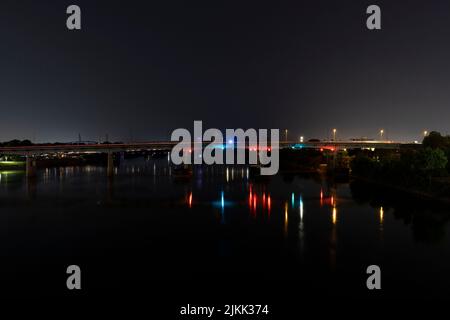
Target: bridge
[(30, 152), (351, 144)]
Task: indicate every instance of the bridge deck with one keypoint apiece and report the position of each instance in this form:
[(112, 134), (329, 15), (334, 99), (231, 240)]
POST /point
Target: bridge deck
[(167, 145)]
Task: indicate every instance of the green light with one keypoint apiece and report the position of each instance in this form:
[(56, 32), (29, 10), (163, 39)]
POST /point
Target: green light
[(11, 163)]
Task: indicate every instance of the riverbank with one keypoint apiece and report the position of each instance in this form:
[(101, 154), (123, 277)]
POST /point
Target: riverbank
[(12, 165), (410, 190)]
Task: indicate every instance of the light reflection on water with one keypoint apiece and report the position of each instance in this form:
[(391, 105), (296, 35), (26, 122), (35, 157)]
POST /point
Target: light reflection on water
[(307, 218)]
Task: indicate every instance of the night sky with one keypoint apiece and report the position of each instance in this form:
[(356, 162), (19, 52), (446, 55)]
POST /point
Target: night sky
[(140, 69)]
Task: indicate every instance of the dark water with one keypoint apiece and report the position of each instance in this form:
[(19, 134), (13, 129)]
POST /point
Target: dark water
[(218, 236)]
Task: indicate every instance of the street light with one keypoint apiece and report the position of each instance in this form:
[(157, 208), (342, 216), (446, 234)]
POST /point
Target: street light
[(301, 139), (286, 133), (381, 134), (425, 133), (334, 134)]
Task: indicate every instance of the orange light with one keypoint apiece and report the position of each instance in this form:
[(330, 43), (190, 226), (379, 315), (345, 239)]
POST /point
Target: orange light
[(190, 200), (334, 216), (286, 221)]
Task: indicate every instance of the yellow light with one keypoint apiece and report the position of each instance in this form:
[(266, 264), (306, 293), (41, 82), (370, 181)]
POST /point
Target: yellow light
[(286, 212), (334, 217), (381, 214)]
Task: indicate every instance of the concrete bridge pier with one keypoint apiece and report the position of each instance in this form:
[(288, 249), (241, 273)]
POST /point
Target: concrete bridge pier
[(335, 151), (110, 168), (30, 167)]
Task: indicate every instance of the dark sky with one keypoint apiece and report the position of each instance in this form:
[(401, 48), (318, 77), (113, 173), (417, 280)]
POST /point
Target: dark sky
[(140, 69)]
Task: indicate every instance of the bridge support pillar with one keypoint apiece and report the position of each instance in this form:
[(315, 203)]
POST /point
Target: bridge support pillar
[(334, 158), (30, 167), (110, 168)]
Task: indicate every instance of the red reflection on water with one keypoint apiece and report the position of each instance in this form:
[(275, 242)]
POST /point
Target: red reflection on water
[(330, 200), (264, 201)]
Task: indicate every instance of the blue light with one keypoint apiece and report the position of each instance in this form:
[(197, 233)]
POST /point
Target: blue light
[(292, 199), (230, 141), (222, 201), (298, 146)]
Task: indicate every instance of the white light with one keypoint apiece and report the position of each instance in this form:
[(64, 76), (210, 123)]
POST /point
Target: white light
[(230, 141)]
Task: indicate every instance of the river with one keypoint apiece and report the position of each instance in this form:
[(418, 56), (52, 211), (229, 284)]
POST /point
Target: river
[(218, 231)]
